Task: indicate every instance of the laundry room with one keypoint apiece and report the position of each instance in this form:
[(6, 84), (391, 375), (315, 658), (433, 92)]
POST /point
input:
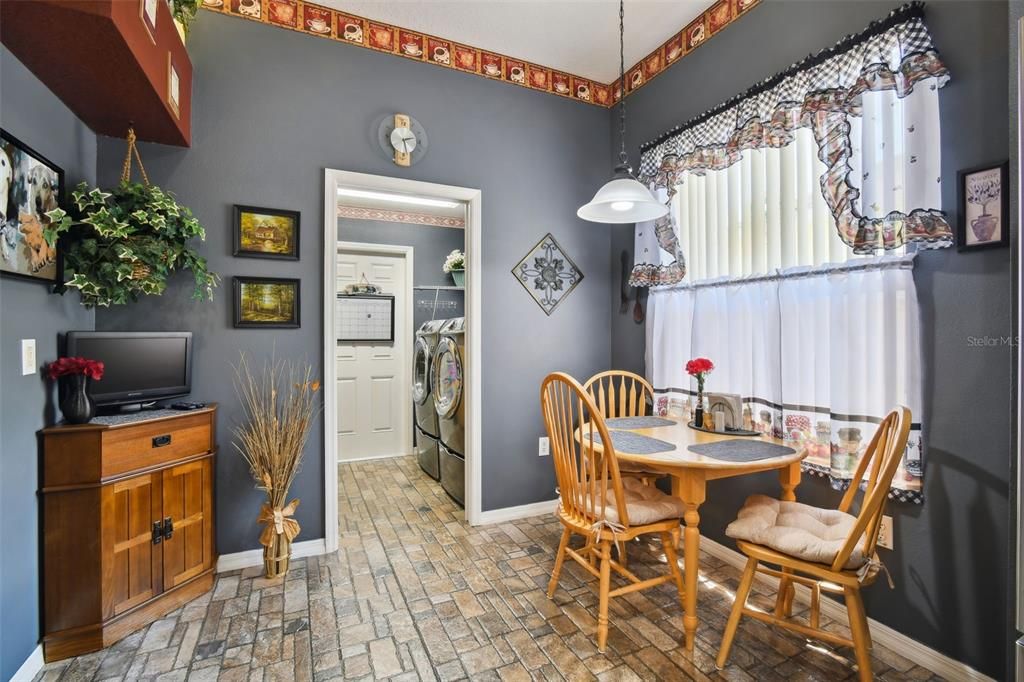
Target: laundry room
[(399, 341)]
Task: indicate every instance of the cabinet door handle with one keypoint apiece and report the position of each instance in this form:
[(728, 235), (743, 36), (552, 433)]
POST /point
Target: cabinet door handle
[(158, 532), (168, 528), (161, 441)]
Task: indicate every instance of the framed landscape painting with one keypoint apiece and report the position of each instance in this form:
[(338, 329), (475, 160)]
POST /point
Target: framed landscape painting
[(266, 233), (271, 302), (30, 186)]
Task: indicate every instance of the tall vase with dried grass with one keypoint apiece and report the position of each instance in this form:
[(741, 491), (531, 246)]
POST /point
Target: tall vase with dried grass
[(280, 404)]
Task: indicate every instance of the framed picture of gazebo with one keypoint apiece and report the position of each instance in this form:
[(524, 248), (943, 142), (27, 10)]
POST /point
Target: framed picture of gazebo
[(266, 233)]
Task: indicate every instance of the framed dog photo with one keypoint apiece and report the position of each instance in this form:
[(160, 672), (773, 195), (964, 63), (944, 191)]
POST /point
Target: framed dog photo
[(270, 302), (30, 186), (266, 233), (983, 195)]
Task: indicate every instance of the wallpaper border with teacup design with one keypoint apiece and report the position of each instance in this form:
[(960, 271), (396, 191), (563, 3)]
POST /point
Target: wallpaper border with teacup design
[(324, 22)]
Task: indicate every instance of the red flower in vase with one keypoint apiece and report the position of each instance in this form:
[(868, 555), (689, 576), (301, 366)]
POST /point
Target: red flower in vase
[(699, 367), (69, 366)]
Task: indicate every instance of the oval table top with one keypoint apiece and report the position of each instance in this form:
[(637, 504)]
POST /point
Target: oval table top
[(682, 436)]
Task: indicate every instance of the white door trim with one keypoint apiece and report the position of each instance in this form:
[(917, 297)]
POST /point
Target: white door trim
[(333, 179), (407, 253)]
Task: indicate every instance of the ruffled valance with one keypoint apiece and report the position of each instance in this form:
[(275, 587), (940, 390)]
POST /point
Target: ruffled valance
[(895, 62)]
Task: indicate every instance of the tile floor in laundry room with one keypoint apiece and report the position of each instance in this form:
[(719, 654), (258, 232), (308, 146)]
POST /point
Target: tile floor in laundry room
[(414, 594)]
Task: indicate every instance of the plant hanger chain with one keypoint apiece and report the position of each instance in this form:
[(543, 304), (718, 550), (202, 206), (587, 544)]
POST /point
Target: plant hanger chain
[(126, 168)]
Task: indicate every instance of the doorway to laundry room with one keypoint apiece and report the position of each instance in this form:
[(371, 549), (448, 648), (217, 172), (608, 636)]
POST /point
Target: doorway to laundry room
[(399, 337)]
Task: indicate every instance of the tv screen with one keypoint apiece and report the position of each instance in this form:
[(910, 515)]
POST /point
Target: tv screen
[(138, 366)]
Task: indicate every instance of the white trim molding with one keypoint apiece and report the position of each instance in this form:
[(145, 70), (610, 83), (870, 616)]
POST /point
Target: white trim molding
[(523, 511), (31, 667), (333, 179), (910, 649), (254, 557)]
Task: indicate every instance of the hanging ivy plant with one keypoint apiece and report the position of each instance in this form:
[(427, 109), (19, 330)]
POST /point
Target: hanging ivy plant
[(127, 242)]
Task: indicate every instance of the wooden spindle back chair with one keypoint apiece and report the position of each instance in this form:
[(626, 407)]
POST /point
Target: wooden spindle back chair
[(594, 502), (618, 393), (874, 475)]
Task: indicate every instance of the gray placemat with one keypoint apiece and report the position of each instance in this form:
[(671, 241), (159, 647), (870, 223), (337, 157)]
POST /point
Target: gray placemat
[(634, 443), (740, 450), (649, 422)]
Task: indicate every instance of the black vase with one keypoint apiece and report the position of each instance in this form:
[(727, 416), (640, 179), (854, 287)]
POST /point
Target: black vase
[(78, 406)]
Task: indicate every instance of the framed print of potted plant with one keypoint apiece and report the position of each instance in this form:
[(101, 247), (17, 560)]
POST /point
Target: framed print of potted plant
[(268, 302), (266, 233), (983, 195), (31, 187)]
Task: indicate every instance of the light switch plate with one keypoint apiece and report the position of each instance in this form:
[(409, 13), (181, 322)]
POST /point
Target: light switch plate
[(543, 447), (28, 356)]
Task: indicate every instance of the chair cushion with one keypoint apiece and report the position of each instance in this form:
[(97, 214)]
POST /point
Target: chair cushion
[(799, 530), (645, 504)]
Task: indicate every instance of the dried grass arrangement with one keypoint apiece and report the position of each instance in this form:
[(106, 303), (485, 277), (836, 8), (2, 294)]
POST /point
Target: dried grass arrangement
[(280, 405)]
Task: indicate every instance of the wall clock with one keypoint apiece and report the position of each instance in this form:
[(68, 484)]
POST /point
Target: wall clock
[(402, 139)]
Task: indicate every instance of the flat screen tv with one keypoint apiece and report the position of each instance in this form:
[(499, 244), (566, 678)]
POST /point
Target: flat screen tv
[(139, 367)]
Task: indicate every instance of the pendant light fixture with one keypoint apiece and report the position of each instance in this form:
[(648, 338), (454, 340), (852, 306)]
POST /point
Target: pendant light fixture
[(623, 199)]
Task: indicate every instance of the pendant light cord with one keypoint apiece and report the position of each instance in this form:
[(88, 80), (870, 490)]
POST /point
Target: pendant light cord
[(623, 157)]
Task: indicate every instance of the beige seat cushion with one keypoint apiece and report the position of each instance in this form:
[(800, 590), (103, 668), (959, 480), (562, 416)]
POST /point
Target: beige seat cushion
[(799, 530), (644, 504), (633, 468)]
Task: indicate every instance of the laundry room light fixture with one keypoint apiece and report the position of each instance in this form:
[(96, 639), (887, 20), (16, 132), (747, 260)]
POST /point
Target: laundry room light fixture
[(396, 198), (623, 199)]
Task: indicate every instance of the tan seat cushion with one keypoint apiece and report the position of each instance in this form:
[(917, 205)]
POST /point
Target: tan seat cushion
[(644, 504), (799, 530), (632, 468)]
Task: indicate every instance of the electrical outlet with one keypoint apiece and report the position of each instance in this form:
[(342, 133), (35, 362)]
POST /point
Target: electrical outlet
[(543, 447), (885, 536), (28, 356)]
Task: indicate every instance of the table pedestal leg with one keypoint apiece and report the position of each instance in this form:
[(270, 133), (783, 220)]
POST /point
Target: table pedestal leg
[(690, 488), (789, 478)]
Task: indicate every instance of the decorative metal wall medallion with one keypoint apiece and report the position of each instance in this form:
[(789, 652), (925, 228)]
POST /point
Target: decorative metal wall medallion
[(547, 273)]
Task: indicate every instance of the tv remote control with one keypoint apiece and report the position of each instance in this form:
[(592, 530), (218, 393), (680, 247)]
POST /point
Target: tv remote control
[(187, 406)]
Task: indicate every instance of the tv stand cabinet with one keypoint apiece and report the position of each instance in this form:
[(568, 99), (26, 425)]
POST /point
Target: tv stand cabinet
[(127, 524)]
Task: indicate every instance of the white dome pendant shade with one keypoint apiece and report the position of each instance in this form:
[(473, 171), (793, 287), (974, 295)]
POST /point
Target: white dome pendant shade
[(622, 200)]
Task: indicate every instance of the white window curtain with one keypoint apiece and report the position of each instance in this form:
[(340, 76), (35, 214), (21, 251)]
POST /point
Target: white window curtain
[(762, 213), (818, 355), (839, 155)]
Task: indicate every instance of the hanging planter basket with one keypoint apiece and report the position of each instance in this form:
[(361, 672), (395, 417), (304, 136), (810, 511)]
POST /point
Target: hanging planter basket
[(128, 241)]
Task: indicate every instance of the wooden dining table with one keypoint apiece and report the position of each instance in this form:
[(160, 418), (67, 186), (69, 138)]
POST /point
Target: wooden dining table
[(690, 474)]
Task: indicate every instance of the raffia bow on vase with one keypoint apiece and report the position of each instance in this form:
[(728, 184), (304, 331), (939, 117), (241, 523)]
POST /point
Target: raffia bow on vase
[(279, 530)]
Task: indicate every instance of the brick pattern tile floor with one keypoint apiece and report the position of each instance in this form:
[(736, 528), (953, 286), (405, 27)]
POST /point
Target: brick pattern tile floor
[(414, 594)]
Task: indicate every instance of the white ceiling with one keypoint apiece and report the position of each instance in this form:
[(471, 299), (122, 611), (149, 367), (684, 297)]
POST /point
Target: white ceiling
[(580, 37)]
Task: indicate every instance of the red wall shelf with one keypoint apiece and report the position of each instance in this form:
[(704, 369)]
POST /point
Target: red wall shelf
[(99, 58)]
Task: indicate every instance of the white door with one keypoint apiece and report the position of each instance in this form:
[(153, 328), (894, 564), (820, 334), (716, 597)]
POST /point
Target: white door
[(373, 382)]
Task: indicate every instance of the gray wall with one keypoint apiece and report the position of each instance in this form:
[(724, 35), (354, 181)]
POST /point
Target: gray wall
[(951, 554), (431, 244), (272, 109), (31, 113)]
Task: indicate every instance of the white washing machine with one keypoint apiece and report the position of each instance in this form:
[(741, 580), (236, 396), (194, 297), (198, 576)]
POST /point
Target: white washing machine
[(448, 381), (423, 398)]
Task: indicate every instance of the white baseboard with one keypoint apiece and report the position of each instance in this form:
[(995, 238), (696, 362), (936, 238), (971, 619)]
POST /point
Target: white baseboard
[(31, 667), (881, 634), (523, 511), (373, 457), (254, 557)]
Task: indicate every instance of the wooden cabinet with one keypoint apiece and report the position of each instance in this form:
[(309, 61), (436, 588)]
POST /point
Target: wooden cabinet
[(127, 525), (106, 63)]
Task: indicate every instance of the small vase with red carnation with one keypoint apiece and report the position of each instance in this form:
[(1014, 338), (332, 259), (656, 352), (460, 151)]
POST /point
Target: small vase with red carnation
[(76, 404), (699, 368)]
